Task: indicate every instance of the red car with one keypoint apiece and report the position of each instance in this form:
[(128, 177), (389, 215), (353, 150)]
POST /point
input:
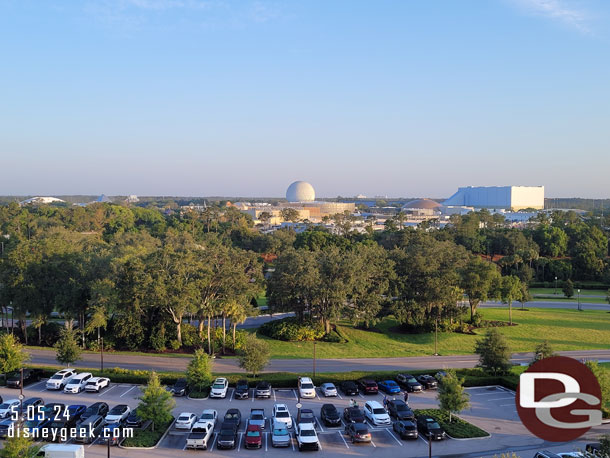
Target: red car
[(254, 436)]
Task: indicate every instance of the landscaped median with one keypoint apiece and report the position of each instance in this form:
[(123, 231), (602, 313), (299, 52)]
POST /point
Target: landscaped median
[(146, 438), (456, 428)]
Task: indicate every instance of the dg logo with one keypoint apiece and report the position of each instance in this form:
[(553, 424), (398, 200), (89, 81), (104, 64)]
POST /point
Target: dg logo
[(559, 399)]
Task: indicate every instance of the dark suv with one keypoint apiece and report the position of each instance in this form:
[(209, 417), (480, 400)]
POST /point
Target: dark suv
[(242, 390), (368, 386), (29, 376), (430, 428), (428, 382), (330, 415), (227, 437), (349, 388), (400, 410)]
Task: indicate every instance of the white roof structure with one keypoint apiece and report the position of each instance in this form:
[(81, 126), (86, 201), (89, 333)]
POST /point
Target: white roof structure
[(515, 197), (41, 200)]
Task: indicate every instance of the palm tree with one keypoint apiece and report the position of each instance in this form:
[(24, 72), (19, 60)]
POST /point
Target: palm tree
[(237, 313), (38, 322)]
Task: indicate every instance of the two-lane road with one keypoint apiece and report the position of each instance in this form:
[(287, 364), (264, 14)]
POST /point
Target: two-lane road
[(229, 365)]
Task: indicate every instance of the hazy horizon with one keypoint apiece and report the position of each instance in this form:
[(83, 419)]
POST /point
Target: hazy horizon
[(238, 98)]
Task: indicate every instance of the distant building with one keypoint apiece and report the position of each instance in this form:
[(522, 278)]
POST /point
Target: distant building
[(132, 199), (498, 197), (41, 201)]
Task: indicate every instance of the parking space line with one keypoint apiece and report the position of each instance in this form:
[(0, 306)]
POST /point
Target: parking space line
[(104, 392), (295, 395), (127, 391), (292, 443), (320, 425), (274, 398), (35, 384), (232, 393), (499, 399), (266, 441), (391, 434), (253, 394), (373, 443), (340, 397), (343, 438), (422, 438), (239, 444), (505, 405)]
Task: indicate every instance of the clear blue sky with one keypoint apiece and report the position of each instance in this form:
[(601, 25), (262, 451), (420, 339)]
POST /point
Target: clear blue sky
[(207, 97)]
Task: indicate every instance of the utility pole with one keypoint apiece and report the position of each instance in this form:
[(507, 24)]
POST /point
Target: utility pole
[(436, 337), (555, 285), (579, 309), (21, 393), (102, 354)]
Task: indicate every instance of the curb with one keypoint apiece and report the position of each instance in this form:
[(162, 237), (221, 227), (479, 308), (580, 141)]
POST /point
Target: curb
[(154, 446), (198, 399)]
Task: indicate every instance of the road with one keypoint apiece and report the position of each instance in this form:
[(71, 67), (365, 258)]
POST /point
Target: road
[(229, 365)]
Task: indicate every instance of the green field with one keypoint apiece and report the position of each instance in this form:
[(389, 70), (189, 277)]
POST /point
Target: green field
[(583, 292), (564, 329), (591, 296)]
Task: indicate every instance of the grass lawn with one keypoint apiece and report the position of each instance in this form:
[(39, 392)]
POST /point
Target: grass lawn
[(583, 300), (584, 292), (564, 329)]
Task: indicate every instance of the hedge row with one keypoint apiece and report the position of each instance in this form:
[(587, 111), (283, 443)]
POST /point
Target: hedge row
[(457, 428)]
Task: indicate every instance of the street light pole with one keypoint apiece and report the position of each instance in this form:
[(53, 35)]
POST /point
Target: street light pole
[(314, 358), (102, 354), (555, 286), (21, 393), (579, 309), (436, 337)]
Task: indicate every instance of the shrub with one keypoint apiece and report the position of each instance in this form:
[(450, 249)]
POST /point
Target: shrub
[(158, 338), (292, 329), (458, 428), (190, 336)]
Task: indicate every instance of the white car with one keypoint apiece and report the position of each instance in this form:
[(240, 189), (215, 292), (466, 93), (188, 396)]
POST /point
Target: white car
[(376, 414), (117, 414), (7, 407), (307, 438), (78, 382), (209, 415), (60, 379), (328, 389), (220, 387), (281, 414), (186, 420), (95, 384), (306, 388)]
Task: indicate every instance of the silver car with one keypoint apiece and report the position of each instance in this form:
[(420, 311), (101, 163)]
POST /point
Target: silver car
[(280, 437)]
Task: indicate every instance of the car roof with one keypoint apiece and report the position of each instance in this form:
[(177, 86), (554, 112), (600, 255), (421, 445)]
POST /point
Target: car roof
[(209, 411), (306, 411), (280, 407), (307, 426), (305, 379), (374, 404), (220, 379), (190, 414)]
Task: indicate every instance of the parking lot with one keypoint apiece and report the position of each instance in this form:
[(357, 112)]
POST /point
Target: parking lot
[(492, 408)]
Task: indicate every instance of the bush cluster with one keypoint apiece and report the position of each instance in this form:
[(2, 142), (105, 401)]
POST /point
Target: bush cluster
[(292, 330), (458, 428)]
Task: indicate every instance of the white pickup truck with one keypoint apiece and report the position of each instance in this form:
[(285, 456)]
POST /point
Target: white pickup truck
[(200, 435)]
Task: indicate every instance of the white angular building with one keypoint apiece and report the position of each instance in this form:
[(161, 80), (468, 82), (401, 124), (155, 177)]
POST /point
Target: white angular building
[(498, 197)]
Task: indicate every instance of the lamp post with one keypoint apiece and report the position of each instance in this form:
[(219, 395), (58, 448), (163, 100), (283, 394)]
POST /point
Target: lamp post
[(21, 394), (579, 309), (436, 337), (555, 285), (314, 358)]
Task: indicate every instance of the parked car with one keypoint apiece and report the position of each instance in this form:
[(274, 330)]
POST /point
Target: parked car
[(306, 436), (54, 410), (111, 433), (29, 376), (56, 429), (328, 389), (349, 388), (6, 425), (95, 384), (368, 386), (430, 428), (306, 388), (428, 382), (400, 410), (76, 411), (306, 416), (118, 413), (257, 417), (376, 414), (280, 437), (281, 414), (406, 429), (78, 382), (227, 437), (358, 432), (546, 454), (89, 429), (8, 407), (263, 390), (254, 436), (220, 388), (185, 420), (180, 388), (98, 408), (233, 416), (353, 415), (134, 420), (409, 383), (60, 379), (36, 423), (330, 415), (33, 404), (389, 387), (440, 375), (242, 390), (200, 435), (209, 415)]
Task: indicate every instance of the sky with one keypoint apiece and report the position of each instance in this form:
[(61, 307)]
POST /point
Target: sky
[(240, 98)]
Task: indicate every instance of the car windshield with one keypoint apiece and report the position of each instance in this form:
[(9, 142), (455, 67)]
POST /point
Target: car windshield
[(433, 425), (412, 380), (306, 415), (207, 416), (263, 387), (32, 423), (280, 432), (226, 434), (282, 415), (184, 418), (308, 432), (117, 410), (57, 377), (92, 383), (307, 386), (360, 428), (218, 386), (253, 433), (5, 406), (402, 407), (379, 411), (242, 387), (256, 416), (371, 384)]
